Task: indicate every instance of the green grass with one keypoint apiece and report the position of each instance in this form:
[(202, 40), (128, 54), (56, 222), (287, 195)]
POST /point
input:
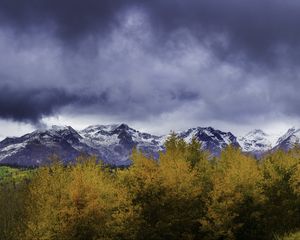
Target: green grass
[(295, 236), (8, 174), (292, 236)]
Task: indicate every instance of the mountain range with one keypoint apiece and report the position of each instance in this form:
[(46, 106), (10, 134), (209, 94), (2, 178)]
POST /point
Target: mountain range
[(113, 144)]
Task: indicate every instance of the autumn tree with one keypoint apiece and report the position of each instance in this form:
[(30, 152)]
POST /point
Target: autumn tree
[(167, 193), (233, 204), (77, 202), (281, 172), (12, 214)]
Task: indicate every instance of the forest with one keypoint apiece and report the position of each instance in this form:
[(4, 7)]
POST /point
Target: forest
[(184, 195)]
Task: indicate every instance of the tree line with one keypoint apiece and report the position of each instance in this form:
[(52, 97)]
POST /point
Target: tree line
[(185, 194)]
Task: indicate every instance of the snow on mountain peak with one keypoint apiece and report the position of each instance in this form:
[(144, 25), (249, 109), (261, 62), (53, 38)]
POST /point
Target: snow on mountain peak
[(94, 128), (257, 132), (292, 131), (289, 139), (210, 138), (256, 141), (114, 143)]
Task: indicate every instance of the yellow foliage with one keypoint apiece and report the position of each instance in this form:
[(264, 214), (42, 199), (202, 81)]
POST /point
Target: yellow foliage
[(235, 178), (183, 195), (167, 194), (76, 202)]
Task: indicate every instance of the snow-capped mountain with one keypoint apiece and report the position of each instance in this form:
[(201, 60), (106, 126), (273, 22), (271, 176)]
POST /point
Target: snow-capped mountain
[(256, 142), (289, 139), (211, 139), (113, 144), (35, 148)]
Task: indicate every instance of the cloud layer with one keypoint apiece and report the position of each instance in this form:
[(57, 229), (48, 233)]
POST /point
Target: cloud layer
[(231, 61)]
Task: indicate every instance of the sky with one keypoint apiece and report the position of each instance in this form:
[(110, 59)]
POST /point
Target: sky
[(155, 65)]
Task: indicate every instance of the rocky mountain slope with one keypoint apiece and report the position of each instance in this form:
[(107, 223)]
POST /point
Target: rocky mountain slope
[(114, 143), (257, 142), (111, 143), (211, 139), (289, 139)]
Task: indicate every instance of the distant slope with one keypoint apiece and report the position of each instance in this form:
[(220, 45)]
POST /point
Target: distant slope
[(289, 139), (35, 148), (211, 139), (113, 144), (257, 142)]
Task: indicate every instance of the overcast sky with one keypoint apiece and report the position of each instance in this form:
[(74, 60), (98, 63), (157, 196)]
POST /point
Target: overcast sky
[(156, 65)]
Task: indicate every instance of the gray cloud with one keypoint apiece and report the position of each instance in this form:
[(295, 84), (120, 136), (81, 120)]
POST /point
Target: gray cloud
[(257, 29), (30, 105), (234, 61)]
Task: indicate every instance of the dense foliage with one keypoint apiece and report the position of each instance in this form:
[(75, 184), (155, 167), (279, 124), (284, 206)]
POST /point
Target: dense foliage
[(8, 174), (185, 194)]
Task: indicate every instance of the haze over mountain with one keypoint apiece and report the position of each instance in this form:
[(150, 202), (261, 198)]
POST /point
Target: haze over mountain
[(113, 144)]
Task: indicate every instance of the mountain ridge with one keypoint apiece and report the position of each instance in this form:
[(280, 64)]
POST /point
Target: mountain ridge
[(114, 143)]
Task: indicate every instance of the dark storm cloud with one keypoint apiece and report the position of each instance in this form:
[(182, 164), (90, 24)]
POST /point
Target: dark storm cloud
[(29, 105), (71, 18), (258, 28), (208, 59)]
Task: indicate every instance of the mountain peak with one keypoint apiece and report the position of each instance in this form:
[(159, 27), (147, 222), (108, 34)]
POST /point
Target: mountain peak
[(258, 131), (59, 128), (114, 143), (256, 141), (106, 128), (210, 138), (123, 126), (289, 139)]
